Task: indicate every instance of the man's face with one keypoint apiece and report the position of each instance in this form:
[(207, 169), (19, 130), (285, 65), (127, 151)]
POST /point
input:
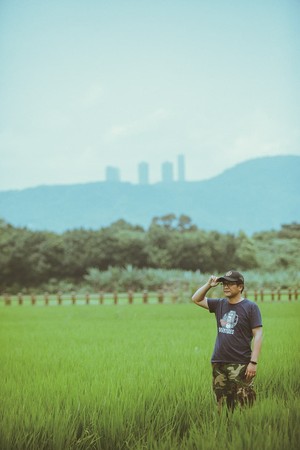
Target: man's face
[(231, 288)]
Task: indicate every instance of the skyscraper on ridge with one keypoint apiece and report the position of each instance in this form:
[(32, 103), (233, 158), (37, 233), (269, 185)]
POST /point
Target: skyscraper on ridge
[(181, 167), (143, 173), (167, 172)]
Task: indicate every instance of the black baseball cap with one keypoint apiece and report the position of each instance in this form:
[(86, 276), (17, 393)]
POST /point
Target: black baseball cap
[(232, 275)]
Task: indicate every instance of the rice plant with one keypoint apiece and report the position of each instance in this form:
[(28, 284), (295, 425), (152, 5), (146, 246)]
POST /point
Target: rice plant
[(138, 377)]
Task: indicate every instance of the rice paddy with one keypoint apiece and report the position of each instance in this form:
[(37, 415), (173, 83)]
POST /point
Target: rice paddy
[(138, 377)]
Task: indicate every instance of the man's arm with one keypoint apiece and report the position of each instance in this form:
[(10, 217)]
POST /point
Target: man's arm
[(257, 343), (199, 297)]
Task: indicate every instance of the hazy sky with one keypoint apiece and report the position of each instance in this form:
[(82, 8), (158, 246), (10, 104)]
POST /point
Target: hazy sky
[(90, 83)]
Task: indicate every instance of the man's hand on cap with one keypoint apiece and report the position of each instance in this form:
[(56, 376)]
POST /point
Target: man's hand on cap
[(213, 281)]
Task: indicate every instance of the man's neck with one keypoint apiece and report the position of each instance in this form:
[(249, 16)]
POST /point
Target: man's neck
[(236, 299)]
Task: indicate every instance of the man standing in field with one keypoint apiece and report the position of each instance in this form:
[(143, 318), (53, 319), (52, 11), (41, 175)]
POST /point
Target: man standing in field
[(234, 364)]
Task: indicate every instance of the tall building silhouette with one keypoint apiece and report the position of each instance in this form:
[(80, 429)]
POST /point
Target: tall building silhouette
[(143, 173), (112, 174), (167, 172), (181, 167)]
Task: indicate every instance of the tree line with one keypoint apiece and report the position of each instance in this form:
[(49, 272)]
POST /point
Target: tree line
[(31, 258)]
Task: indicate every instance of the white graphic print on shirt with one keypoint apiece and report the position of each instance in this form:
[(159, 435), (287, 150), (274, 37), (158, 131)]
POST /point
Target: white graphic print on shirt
[(228, 322)]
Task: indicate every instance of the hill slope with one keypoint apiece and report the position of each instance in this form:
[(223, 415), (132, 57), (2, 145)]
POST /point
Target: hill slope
[(256, 195)]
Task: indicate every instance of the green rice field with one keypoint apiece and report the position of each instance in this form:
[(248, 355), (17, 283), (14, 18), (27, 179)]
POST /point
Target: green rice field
[(138, 377)]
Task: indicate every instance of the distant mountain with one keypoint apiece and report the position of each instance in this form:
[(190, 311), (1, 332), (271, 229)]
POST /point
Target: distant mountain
[(256, 195)]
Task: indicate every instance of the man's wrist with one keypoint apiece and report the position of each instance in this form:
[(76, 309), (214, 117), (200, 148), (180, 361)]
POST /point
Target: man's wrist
[(253, 362)]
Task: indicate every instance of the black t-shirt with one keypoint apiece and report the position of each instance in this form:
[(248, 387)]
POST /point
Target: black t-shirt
[(234, 325)]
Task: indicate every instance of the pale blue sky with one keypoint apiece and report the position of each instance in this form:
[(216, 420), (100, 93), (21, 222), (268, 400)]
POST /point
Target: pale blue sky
[(86, 84)]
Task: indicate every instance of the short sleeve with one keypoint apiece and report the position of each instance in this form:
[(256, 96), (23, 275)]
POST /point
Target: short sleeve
[(256, 320), (212, 304)]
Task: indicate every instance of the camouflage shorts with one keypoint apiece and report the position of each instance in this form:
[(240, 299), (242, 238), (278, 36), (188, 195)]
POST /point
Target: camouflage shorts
[(230, 384)]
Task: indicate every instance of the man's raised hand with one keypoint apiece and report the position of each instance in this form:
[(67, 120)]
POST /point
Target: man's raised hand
[(213, 281)]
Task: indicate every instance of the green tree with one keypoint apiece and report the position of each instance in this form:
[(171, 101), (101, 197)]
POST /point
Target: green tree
[(185, 224), (157, 243), (166, 221), (290, 231), (190, 251), (245, 256)]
